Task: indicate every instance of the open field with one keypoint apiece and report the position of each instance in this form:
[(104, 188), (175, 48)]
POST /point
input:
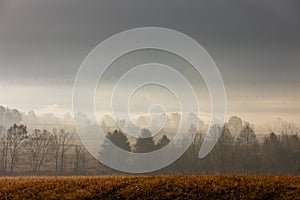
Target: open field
[(152, 187)]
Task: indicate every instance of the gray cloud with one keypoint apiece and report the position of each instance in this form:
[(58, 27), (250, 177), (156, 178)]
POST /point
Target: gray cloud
[(255, 43), (49, 39)]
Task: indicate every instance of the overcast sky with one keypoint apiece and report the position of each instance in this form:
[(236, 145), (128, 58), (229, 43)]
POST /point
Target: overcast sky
[(255, 44)]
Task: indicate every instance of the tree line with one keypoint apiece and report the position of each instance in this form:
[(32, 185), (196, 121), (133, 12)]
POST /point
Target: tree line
[(241, 154), (39, 152), (59, 152)]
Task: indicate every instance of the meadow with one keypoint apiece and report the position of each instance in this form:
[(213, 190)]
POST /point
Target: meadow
[(151, 187)]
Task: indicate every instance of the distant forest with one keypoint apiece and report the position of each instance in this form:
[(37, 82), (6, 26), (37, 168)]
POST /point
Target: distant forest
[(59, 152)]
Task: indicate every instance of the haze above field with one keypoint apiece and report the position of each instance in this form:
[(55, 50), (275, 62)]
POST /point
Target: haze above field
[(255, 44)]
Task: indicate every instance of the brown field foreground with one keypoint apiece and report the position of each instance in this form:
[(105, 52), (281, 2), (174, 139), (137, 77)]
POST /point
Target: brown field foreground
[(151, 187)]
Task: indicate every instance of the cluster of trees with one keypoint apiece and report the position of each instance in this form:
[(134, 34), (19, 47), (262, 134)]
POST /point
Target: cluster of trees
[(243, 153), (23, 152), (238, 150), (144, 144)]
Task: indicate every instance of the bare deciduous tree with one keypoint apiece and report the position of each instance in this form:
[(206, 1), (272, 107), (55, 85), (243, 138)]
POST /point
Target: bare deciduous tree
[(15, 135), (61, 141), (4, 149), (38, 145), (80, 161)]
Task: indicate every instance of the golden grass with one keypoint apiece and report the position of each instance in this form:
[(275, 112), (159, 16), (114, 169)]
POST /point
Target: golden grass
[(151, 187)]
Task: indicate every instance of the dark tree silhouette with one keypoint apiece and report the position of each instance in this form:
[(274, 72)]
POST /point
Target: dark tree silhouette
[(110, 153), (145, 143), (119, 139), (248, 150), (222, 154), (164, 140)]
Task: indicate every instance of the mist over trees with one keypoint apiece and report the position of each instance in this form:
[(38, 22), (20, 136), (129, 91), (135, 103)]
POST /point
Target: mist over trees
[(9, 116), (241, 152), (58, 151), (144, 143)]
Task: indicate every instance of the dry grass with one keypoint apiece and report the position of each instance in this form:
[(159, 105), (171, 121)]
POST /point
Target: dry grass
[(152, 187)]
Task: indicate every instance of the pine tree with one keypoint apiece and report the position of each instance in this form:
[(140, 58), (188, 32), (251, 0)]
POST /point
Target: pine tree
[(145, 143)]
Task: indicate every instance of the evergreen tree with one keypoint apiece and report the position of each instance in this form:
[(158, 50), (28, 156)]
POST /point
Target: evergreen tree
[(110, 153), (119, 139), (145, 143), (164, 140)]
